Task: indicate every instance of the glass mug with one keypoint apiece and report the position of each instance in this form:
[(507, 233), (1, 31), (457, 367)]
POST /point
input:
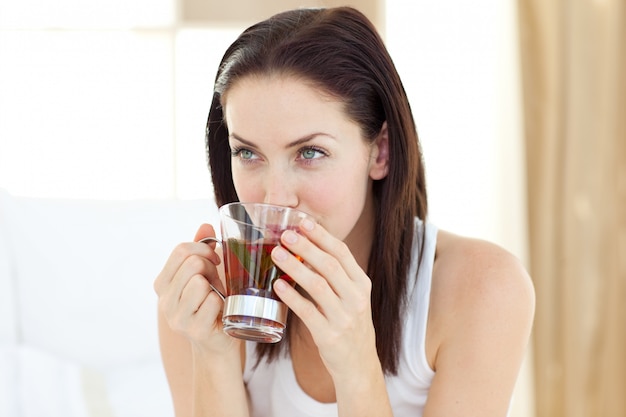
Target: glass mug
[(252, 311)]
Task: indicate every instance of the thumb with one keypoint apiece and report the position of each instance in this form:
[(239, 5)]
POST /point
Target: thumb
[(205, 230)]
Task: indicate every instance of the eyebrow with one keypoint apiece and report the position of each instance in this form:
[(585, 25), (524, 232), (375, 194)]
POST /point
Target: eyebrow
[(293, 144)]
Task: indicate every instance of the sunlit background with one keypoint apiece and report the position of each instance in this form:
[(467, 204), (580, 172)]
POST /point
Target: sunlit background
[(107, 101)]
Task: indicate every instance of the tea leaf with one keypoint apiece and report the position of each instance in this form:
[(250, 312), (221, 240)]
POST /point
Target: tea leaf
[(257, 263), (268, 271), (239, 250)]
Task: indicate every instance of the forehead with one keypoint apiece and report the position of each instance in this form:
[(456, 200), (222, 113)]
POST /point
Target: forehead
[(278, 85), (273, 102)]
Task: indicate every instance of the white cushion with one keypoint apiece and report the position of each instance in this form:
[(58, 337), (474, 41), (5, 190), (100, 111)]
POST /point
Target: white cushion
[(8, 376), (48, 385), (8, 311), (79, 284), (35, 383), (139, 390), (85, 271)]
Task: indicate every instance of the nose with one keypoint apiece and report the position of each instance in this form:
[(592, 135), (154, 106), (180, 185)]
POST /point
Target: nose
[(280, 188)]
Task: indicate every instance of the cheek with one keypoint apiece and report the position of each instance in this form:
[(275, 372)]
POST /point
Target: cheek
[(338, 202), (248, 187)]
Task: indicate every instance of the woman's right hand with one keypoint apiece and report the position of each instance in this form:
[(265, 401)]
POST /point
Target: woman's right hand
[(186, 300)]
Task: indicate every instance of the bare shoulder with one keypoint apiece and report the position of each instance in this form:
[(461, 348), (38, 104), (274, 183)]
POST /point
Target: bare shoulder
[(475, 265), (479, 324), (477, 287)]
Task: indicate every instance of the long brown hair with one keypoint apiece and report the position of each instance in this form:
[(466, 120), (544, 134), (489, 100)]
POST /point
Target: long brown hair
[(339, 51)]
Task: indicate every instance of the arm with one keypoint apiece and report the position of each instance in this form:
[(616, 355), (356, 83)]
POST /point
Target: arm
[(481, 313), (201, 383), (202, 364)]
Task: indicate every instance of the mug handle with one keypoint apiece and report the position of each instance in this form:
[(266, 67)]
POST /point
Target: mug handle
[(208, 240)]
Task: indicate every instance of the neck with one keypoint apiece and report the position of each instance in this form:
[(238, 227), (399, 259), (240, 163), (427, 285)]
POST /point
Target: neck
[(361, 237)]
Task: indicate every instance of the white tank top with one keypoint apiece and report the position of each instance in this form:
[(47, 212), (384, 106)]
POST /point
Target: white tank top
[(274, 392)]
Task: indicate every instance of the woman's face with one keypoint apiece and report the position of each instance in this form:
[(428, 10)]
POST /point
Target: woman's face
[(295, 147)]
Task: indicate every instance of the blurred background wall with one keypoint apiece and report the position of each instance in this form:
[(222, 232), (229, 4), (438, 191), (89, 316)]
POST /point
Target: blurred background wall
[(108, 101)]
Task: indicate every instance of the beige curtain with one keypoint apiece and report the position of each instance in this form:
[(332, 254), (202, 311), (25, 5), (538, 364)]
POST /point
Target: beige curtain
[(574, 88)]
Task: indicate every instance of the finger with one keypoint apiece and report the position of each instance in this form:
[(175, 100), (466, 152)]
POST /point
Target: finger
[(327, 265), (318, 288), (183, 251), (205, 230), (198, 312), (170, 300), (319, 236), (210, 311), (194, 294), (192, 266), (181, 310), (305, 309), (176, 259), (200, 302)]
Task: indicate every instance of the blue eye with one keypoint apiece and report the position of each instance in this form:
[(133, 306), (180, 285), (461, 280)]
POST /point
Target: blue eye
[(242, 153), (312, 153), (246, 154), (308, 153)]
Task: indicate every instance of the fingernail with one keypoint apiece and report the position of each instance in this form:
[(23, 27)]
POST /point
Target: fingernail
[(280, 285), (279, 253), (307, 224), (290, 237)]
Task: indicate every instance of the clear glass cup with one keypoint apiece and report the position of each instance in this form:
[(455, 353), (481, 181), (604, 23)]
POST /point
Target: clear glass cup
[(250, 231)]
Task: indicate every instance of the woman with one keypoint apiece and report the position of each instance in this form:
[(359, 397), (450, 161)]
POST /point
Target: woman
[(390, 315)]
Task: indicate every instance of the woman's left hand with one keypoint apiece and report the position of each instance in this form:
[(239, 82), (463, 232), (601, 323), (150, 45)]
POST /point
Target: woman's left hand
[(339, 314)]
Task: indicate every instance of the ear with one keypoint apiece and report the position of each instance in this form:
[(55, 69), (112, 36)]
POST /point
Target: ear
[(379, 166)]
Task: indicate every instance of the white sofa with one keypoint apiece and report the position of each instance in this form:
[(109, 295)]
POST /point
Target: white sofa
[(78, 333)]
